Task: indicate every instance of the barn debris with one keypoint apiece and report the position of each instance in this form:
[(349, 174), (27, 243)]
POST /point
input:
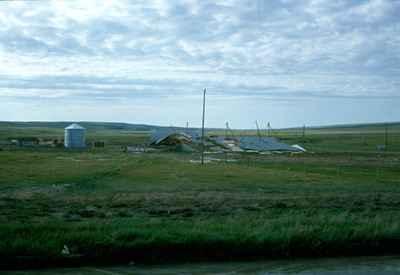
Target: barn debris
[(255, 144), (299, 147), (134, 149), (189, 140), (174, 137)]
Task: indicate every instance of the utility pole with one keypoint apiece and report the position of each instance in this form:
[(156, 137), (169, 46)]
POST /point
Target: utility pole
[(202, 127), (269, 129), (304, 131)]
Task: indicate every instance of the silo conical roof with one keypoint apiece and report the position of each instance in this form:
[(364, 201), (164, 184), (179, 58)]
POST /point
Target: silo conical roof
[(75, 126)]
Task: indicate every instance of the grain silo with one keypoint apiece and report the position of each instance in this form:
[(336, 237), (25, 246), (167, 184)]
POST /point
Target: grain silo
[(74, 136)]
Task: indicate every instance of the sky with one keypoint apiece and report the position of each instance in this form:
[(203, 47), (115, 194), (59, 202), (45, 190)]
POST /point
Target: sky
[(287, 62)]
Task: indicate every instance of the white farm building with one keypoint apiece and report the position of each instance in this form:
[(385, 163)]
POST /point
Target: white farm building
[(74, 136)]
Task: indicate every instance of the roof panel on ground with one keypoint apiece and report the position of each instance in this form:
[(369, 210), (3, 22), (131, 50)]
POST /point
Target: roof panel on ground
[(257, 143), (264, 144)]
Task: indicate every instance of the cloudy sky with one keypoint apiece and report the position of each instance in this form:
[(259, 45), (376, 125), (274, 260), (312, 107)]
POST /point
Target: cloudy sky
[(290, 62)]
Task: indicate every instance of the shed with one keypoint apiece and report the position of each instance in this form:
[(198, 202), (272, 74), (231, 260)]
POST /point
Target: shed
[(74, 136)]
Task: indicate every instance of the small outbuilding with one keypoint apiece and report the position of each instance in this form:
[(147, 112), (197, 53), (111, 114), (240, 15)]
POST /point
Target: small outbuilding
[(74, 136)]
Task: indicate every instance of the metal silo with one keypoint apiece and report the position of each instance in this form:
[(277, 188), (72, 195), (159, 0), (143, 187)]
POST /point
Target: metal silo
[(74, 136)]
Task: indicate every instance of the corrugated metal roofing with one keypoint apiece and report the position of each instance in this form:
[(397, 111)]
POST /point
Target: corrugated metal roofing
[(222, 141), (257, 143), (302, 149), (162, 133), (264, 144)]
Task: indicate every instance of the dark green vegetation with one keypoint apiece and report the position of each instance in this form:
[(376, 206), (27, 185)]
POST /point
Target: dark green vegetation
[(342, 197)]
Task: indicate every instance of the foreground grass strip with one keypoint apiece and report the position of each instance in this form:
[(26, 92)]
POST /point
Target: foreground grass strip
[(158, 240)]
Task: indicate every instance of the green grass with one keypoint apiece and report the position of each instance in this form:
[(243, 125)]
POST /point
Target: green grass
[(294, 234), (104, 204)]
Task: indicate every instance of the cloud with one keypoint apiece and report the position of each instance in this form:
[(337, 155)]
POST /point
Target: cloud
[(116, 50)]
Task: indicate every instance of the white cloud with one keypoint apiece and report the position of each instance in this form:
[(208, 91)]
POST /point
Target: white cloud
[(304, 49)]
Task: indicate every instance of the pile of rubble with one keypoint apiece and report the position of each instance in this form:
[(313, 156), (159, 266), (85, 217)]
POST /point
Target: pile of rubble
[(190, 140)]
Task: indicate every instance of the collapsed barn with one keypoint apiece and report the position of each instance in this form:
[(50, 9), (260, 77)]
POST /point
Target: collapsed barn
[(190, 140), (186, 140)]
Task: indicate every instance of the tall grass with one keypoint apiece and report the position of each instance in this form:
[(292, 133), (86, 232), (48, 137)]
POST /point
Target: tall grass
[(290, 234)]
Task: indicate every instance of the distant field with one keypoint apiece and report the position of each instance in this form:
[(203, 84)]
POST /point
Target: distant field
[(342, 197), (360, 138)]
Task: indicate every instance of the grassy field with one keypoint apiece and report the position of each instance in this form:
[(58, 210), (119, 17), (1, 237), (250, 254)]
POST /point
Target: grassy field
[(342, 197)]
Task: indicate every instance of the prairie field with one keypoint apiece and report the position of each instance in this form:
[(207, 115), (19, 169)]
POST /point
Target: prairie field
[(341, 197)]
